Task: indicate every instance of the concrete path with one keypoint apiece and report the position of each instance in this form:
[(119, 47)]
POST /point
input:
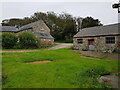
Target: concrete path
[(56, 46)]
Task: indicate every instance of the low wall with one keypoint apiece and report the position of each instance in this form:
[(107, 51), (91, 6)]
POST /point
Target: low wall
[(46, 42)]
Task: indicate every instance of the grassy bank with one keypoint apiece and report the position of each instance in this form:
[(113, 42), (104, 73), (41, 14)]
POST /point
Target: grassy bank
[(67, 70)]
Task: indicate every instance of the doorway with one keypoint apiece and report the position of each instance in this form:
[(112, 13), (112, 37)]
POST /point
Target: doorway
[(91, 44)]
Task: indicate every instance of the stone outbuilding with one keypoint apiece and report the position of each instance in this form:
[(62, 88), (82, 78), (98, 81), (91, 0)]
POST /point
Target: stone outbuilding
[(100, 38), (9, 29), (41, 30)]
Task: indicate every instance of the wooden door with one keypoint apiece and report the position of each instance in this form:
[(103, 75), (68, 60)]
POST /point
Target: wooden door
[(91, 44)]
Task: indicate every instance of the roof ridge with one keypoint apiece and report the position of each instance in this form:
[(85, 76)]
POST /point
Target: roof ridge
[(32, 22), (29, 25), (101, 26), (100, 30)]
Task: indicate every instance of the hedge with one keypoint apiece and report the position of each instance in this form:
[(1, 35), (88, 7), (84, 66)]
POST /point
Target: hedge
[(9, 40), (28, 40)]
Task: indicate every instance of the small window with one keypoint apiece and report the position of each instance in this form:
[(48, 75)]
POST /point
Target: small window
[(41, 28), (79, 41), (110, 40)]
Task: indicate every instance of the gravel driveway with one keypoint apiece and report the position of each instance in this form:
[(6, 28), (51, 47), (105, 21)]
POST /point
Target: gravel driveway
[(61, 45), (56, 46)]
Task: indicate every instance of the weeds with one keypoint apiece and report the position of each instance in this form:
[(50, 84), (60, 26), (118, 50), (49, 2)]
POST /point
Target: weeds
[(89, 77)]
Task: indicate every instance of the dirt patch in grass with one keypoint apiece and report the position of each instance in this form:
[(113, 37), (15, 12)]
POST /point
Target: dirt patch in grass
[(39, 62)]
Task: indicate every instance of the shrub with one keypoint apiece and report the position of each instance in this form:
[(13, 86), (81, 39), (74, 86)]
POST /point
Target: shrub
[(27, 40), (4, 77), (9, 40), (96, 72), (89, 77)]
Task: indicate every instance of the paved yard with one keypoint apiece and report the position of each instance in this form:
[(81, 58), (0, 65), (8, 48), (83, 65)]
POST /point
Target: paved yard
[(112, 56)]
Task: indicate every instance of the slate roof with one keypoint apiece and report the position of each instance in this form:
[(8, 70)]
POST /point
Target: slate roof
[(43, 35), (113, 29), (8, 29), (28, 26)]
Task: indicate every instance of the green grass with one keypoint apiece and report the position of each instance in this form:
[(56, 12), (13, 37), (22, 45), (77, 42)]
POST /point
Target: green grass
[(20, 49), (25, 49), (46, 47), (67, 70)]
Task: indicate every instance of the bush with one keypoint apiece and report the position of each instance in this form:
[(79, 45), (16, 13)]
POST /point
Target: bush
[(89, 77), (96, 72), (4, 77), (9, 40), (27, 40)]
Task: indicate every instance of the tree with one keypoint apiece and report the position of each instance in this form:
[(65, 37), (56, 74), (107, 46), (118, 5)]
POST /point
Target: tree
[(62, 26), (12, 22), (90, 22), (69, 31), (78, 23)]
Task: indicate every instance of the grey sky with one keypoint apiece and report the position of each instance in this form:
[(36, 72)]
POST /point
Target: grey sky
[(100, 10)]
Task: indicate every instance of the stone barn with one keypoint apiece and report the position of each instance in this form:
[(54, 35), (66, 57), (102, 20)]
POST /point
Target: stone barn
[(8, 29), (41, 30), (100, 38)]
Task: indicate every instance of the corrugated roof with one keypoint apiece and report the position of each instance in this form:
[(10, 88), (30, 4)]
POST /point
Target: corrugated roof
[(43, 35), (113, 29), (8, 29)]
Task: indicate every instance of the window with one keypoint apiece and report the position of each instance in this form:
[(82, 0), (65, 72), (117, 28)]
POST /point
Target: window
[(110, 40), (79, 41), (41, 28)]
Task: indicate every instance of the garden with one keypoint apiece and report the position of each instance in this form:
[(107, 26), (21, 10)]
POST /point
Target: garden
[(66, 69), (60, 68), (23, 40)]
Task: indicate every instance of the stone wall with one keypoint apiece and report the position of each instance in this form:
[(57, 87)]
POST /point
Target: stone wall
[(41, 24), (80, 46), (46, 42), (36, 28), (99, 44)]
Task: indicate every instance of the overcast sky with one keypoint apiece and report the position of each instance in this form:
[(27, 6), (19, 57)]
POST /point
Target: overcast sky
[(100, 10)]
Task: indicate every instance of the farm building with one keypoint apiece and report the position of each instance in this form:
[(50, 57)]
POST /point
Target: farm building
[(39, 28), (101, 38), (10, 29)]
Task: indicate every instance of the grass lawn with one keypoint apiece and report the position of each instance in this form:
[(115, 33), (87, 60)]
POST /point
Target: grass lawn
[(63, 42), (26, 49), (20, 49), (67, 70)]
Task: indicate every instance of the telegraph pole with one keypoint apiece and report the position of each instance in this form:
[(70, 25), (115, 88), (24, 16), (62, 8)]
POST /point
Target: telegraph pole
[(117, 5)]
